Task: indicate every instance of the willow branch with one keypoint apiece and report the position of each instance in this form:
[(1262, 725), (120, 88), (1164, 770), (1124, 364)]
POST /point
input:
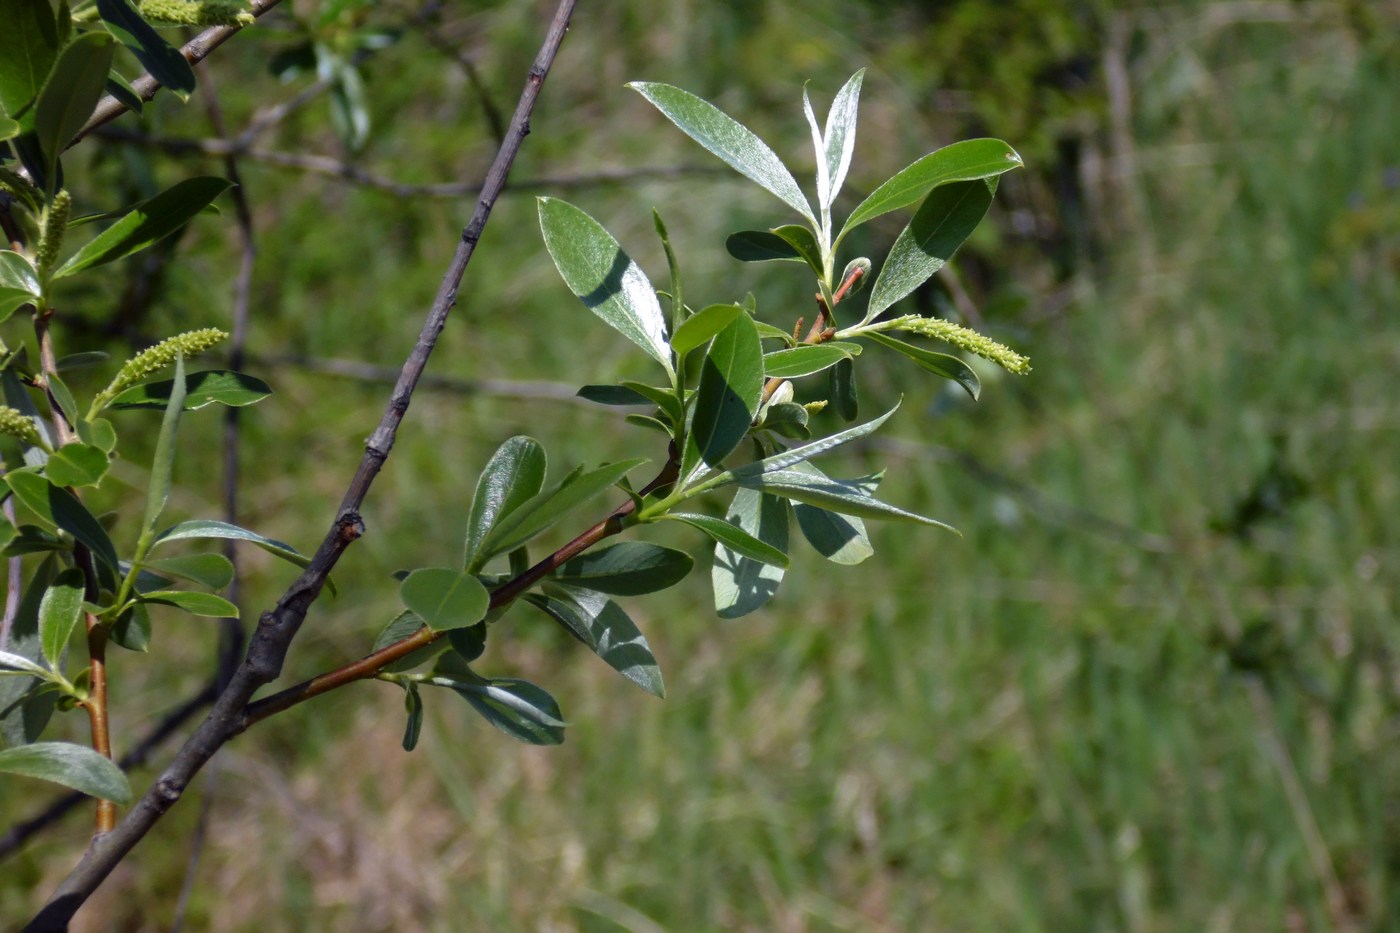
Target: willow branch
[(268, 647)]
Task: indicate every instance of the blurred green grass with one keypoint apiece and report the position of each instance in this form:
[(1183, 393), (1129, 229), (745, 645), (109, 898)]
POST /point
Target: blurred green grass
[(1151, 689)]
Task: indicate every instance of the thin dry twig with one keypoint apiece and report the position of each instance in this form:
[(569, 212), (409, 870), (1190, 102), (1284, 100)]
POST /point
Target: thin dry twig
[(277, 628)]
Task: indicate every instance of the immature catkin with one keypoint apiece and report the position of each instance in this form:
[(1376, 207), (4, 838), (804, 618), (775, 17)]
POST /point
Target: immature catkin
[(196, 12), (16, 424), (51, 234), (151, 361), (966, 338)]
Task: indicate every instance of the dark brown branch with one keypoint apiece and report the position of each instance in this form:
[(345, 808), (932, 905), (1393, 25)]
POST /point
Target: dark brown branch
[(195, 51), (268, 648)]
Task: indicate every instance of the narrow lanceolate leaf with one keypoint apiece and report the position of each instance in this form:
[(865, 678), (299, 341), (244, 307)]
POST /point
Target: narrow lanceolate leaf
[(164, 62), (941, 364), (605, 278), (724, 136), (607, 631), (968, 160), (839, 538), (71, 92), (73, 766), (840, 136), (413, 705), (844, 397), (781, 461), (804, 241), (11, 663), (513, 476), (733, 537), (197, 604), (730, 385), (946, 218), (445, 599), (204, 528), (760, 246), (28, 46), (163, 462), (209, 570), (548, 507), (210, 387), (849, 497), (519, 709), (59, 613), (742, 583), (697, 329), (61, 509), (803, 361), (76, 465), (819, 146), (147, 222), (631, 568)]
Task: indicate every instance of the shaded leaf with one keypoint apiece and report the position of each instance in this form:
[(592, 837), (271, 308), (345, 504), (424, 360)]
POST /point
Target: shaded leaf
[(205, 528), (214, 571), (760, 246), (413, 705), (73, 766), (804, 241), (198, 604), (147, 222), (163, 460), (607, 631), (742, 584), (519, 709), (548, 507), (59, 613), (940, 225), (631, 568), (513, 476), (612, 395), (732, 536), (842, 388), (29, 44), (787, 458), (941, 364), (848, 497), (164, 62), (132, 630), (402, 626), (444, 598), (212, 386), (70, 94), (609, 283), (722, 135), (841, 539), (731, 382), (61, 509), (76, 465)]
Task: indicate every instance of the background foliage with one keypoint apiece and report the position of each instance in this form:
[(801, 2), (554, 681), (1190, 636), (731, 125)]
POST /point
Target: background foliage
[(1153, 688)]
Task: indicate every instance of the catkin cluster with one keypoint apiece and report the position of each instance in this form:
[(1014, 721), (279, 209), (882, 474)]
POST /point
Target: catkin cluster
[(196, 12), (965, 338), (151, 361), (16, 424)]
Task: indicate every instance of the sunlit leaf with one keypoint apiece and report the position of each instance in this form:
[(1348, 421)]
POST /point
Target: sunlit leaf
[(513, 476), (70, 94), (212, 386), (59, 614), (444, 598), (968, 160), (631, 568), (147, 222), (607, 631), (73, 766), (731, 382), (198, 604), (942, 364), (741, 583)]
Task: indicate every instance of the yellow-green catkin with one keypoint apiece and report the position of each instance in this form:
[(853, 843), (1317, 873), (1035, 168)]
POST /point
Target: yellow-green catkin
[(965, 338), (151, 361), (196, 12), (16, 424), (51, 233)]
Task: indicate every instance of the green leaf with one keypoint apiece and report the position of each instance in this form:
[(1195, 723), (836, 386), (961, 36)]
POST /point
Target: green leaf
[(26, 705), (839, 140), (413, 705), (147, 222), (204, 528), (548, 507), (769, 332), (519, 709), (842, 390), (63, 397), (212, 386), (849, 497), (968, 160), (125, 94), (213, 571), (788, 419), (165, 62), (73, 766), (609, 283), (29, 44), (61, 509), (11, 663), (741, 583), (31, 539), (787, 458), (403, 625), (59, 614), (663, 399), (198, 604), (760, 246), (444, 598), (81, 360), (733, 537), (132, 630), (12, 299), (841, 539), (513, 476), (803, 361), (941, 364), (76, 465), (70, 94), (722, 135), (631, 568), (469, 642), (940, 225), (804, 241), (607, 631), (163, 460), (17, 274), (612, 395), (731, 382), (98, 433), (697, 329)]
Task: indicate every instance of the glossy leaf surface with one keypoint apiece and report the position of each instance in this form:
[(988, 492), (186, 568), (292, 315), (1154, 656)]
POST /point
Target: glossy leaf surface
[(731, 382), (728, 533), (213, 571), (607, 631), (149, 221), (553, 504), (164, 62), (631, 568), (841, 539), (962, 161), (513, 476), (803, 361), (697, 329), (519, 709), (212, 386), (848, 497)]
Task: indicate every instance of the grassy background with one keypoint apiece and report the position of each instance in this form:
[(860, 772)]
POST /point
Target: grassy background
[(1151, 689)]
